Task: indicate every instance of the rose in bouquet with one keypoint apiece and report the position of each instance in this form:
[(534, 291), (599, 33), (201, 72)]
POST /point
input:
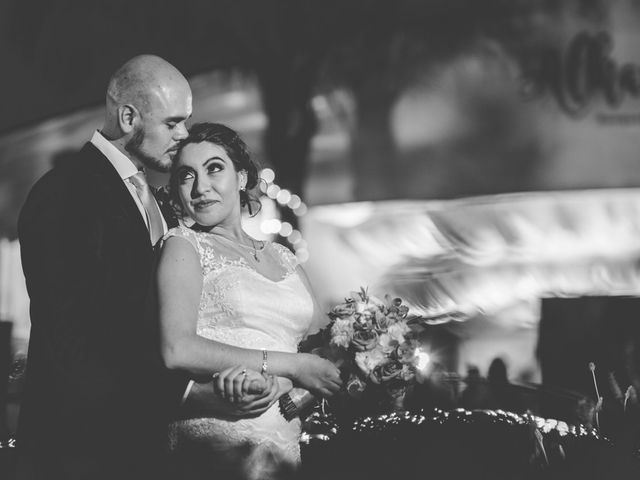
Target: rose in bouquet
[(381, 347), (373, 343)]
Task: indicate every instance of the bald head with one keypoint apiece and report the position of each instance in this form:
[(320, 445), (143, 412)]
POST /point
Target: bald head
[(148, 101), (142, 80)]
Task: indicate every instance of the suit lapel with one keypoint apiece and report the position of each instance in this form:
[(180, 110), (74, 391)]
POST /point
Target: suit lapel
[(111, 188)]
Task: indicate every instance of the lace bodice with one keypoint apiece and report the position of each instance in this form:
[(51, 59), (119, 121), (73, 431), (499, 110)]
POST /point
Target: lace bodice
[(242, 307)]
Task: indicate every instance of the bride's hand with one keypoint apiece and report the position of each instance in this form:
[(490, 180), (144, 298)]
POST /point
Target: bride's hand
[(319, 376), (233, 383), (252, 405)]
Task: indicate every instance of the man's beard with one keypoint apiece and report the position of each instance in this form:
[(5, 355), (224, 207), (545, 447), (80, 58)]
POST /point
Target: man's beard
[(134, 148)]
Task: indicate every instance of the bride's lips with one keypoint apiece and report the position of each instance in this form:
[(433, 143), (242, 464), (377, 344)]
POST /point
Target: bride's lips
[(202, 204)]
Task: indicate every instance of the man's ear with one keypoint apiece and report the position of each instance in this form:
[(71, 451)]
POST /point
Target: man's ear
[(127, 117)]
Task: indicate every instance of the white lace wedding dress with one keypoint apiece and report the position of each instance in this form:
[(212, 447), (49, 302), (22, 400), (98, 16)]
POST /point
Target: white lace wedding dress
[(240, 306)]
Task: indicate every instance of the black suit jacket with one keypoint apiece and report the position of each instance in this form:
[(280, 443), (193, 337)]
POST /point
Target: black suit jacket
[(96, 394)]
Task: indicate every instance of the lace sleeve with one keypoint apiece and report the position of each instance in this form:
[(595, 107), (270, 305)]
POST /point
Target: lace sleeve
[(186, 233), (287, 258)]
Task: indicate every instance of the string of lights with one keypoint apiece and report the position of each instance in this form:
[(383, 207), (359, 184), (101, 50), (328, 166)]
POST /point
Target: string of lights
[(285, 199), (319, 426)]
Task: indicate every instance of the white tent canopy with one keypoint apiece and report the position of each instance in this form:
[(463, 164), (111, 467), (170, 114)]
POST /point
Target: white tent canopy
[(461, 258)]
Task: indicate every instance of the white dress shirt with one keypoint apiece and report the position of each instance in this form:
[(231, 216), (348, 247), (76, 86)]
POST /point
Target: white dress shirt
[(125, 169)]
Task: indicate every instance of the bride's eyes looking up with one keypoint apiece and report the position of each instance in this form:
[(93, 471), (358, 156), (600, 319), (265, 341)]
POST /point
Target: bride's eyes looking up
[(210, 167)]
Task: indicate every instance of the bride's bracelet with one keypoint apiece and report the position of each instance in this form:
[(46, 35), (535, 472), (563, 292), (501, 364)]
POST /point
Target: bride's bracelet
[(263, 370)]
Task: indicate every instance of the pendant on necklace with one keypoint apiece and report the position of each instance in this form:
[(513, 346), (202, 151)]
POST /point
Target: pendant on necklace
[(255, 251)]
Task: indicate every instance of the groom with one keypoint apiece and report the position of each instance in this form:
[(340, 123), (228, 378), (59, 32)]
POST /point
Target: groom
[(97, 396)]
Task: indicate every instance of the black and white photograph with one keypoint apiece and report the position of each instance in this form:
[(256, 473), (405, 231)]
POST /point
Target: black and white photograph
[(319, 240)]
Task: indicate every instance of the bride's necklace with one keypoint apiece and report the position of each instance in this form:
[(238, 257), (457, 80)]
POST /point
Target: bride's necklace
[(253, 250)]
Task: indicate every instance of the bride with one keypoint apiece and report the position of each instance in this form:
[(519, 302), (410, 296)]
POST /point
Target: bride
[(232, 306)]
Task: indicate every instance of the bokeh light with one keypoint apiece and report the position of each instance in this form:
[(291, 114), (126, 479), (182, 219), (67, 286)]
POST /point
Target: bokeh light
[(267, 175), (422, 359), (272, 191), (294, 202), (283, 197), (302, 255), (286, 229), (301, 210), (295, 237)]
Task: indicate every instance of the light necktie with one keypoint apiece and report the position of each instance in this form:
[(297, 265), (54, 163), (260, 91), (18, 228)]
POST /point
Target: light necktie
[(154, 217)]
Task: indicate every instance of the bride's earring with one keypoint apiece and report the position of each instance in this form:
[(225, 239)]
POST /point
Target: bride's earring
[(243, 183)]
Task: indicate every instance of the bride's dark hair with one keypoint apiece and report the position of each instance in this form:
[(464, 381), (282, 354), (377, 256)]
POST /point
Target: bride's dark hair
[(227, 138)]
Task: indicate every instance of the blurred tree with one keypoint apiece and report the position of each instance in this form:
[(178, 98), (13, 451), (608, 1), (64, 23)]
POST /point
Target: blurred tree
[(60, 54)]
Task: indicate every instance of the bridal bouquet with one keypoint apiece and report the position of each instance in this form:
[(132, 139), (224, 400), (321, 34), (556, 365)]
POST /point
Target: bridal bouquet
[(372, 342), (381, 347)]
